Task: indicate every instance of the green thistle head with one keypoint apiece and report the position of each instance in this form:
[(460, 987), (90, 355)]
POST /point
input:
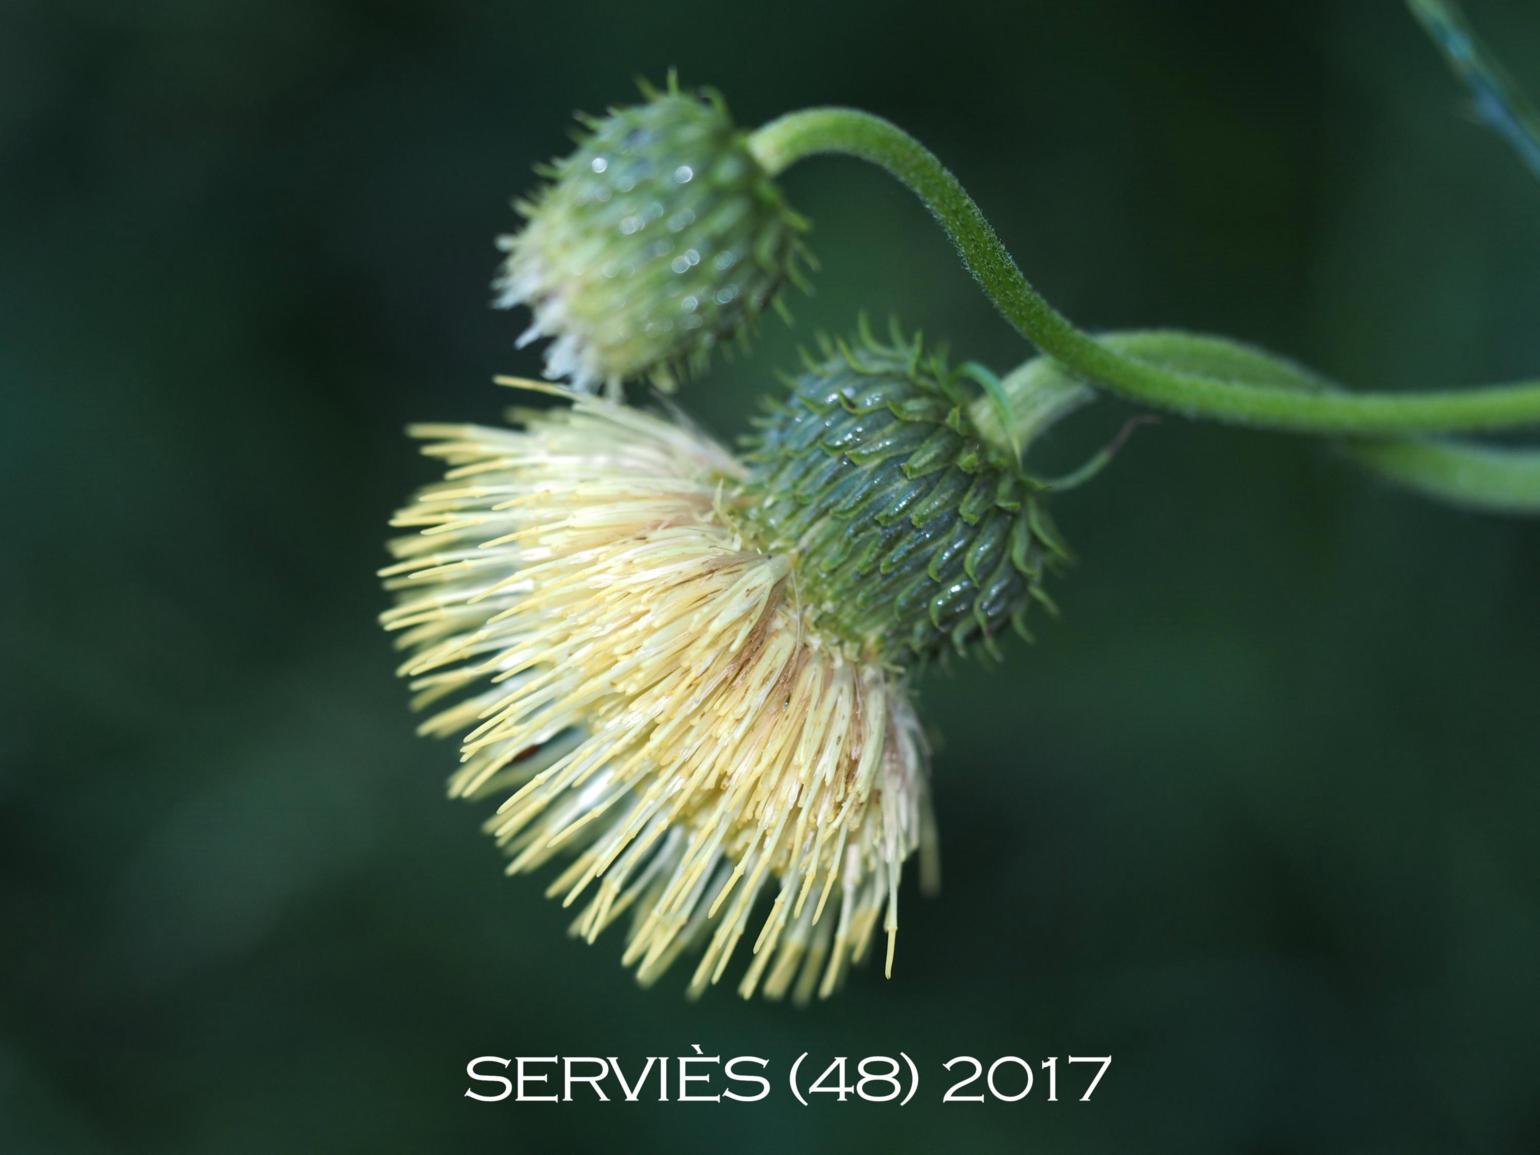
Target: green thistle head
[(659, 239), (915, 529)]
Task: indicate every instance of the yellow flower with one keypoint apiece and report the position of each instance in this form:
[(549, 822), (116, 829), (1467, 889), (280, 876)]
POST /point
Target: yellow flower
[(586, 605)]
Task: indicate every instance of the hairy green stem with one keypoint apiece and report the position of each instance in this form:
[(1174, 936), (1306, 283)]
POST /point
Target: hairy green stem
[(1220, 397), (1491, 478)]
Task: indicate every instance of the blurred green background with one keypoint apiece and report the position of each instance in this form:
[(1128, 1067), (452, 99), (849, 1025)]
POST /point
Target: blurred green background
[(1258, 818)]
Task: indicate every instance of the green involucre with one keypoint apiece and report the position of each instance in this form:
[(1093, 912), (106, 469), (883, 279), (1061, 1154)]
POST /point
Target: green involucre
[(913, 535)]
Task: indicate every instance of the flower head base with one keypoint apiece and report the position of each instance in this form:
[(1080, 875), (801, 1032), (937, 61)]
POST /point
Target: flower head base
[(586, 608), (659, 239), (916, 528)]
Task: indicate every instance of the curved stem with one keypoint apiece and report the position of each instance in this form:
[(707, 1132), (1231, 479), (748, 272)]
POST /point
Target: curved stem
[(850, 132), (1499, 479), (1492, 478)]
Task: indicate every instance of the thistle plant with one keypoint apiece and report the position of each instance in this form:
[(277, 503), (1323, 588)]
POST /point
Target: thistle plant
[(690, 673)]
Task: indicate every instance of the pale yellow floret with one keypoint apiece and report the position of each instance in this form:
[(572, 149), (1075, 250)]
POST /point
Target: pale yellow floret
[(580, 606)]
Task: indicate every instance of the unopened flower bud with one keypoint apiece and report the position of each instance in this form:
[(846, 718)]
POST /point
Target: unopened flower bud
[(659, 239)]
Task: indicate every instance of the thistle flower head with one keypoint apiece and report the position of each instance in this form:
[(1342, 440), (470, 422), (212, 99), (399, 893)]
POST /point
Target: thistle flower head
[(691, 671), (585, 608), (659, 239)]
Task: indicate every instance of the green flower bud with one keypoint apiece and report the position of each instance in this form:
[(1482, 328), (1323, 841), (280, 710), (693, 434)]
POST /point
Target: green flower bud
[(914, 528), (657, 240)]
